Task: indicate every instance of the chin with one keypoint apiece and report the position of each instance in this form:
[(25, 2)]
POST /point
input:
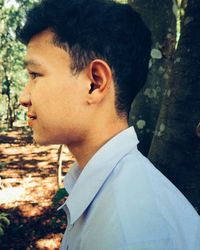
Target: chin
[(42, 141), (46, 141)]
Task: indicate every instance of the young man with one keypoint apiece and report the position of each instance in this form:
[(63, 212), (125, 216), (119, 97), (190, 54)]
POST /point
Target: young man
[(87, 60)]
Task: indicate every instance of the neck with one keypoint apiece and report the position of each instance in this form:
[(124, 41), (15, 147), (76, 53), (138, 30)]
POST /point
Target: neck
[(97, 137)]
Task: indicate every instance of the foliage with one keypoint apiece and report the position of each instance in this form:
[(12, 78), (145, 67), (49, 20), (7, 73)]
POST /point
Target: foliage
[(12, 73), (121, 1), (4, 222), (59, 220), (61, 193)]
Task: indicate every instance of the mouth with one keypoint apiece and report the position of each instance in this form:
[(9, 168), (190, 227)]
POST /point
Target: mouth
[(31, 118)]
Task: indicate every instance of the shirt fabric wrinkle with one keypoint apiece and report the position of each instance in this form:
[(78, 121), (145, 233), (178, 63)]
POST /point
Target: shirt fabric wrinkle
[(120, 201), (97, 169)]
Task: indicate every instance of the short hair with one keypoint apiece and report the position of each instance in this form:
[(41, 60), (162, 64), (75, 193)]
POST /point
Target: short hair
[(97, 29)]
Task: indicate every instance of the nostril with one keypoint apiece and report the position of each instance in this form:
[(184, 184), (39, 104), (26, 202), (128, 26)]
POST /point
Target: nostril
[(24, 104), (25, 100)]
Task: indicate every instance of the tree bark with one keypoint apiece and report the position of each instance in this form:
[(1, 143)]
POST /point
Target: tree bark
[(146, 106), (175, 148)]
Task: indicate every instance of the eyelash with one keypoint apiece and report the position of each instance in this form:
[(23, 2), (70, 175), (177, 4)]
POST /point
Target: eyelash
[(33, 75)]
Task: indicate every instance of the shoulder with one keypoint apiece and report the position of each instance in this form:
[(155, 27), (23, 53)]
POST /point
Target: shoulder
[(145, 202), (135, 200)]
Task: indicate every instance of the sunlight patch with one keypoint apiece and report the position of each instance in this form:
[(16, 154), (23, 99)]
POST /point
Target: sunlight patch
[(11, 194), (50, 242)]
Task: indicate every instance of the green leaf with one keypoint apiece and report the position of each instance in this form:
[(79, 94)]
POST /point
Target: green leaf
[(61, 193), (4, 220), (1, 231), (2, 166)]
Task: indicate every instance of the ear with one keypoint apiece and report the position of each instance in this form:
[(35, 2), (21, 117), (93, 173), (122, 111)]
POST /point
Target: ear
[(100, 76)]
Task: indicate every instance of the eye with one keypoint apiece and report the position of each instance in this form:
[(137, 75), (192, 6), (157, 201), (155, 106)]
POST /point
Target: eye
[(34, 75)]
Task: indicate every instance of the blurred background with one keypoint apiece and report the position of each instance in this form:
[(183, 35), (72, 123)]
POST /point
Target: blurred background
[(165, 114)]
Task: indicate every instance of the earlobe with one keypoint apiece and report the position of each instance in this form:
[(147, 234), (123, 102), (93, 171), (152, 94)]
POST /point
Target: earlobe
[(89, 102)]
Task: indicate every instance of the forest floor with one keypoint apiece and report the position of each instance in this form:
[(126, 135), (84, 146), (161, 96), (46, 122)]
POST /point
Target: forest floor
[(28, 182)]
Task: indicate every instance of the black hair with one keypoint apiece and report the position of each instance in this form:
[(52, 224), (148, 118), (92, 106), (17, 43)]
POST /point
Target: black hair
[(91, 29)]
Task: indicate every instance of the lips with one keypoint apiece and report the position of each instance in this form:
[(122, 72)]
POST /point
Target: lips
[(31, 118)]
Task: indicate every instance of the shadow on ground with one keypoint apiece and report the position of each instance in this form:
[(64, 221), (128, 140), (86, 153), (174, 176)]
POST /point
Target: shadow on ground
[(38, 232), (28, 182)]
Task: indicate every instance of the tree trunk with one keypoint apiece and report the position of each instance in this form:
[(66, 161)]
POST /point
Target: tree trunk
[(10, 113), (146, 106), (175, 148), (59, 172)]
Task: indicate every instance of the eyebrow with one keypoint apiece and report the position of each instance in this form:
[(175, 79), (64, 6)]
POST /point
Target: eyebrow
[(31, 63)]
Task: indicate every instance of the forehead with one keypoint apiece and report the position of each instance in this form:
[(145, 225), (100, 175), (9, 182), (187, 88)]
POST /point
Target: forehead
[(42, 50)]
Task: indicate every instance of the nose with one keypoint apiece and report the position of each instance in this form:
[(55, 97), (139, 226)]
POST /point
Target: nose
[(25, 98)]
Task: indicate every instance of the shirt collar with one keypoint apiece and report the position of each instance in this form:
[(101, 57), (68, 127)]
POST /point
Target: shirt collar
[(71, 177), (83, 186)]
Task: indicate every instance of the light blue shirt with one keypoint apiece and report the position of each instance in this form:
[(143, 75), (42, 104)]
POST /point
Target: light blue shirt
[(120, 201)]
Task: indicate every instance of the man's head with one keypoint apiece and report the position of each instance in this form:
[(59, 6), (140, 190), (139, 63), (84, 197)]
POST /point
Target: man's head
[(105, 42)]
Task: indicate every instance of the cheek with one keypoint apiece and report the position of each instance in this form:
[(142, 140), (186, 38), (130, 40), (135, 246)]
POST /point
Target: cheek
[(42, 102), (54, 111), (59, 103)]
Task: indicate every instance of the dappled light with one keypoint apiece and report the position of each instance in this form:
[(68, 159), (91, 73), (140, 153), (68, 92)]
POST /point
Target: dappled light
[(28, 182), (50, 242), (71, 92), (11, 194)]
